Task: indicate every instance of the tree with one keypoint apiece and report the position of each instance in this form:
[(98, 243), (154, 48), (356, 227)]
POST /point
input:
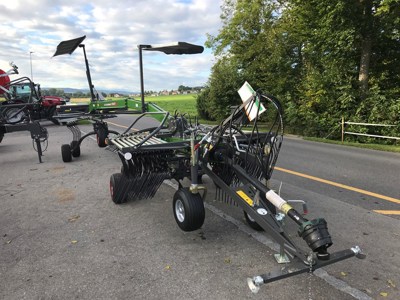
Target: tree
[(240, 50), (324, 59), (221, 93), (53, 91)]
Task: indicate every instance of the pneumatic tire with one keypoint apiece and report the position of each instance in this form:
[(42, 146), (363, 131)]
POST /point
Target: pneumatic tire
[(76, 149), (66, 153), (188, 210), (101, 137), (252, 223), (118, 188)]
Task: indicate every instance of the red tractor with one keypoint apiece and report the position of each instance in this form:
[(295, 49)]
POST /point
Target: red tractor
[(23, 106), (24, 91)]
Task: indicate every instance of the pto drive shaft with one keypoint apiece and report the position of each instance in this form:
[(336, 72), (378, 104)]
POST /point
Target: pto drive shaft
[(314, 233)]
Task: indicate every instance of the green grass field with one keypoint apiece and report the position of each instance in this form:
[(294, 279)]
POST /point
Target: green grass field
[(171, 103), (181, 103), (380, 147)]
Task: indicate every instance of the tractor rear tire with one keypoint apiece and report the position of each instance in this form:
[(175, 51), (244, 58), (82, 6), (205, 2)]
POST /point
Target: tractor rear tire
[(188, 210), (118, 188), (101, 138), (66, 153), (76, 149)]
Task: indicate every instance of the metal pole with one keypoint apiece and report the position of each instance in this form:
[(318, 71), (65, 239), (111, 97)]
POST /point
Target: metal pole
[(141, 76), (141, 47), (88, 73), (30, 59), (342, 129)]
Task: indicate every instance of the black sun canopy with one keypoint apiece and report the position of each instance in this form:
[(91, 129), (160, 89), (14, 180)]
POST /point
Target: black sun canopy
[(67, 47), (175, 48)]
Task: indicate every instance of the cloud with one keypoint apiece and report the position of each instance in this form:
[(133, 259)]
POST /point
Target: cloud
[(113, 30)]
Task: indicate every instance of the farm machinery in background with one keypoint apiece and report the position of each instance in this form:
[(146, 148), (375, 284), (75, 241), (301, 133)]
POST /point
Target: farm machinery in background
[(97, 104), (23, 107), (238, 155), (98, 109)]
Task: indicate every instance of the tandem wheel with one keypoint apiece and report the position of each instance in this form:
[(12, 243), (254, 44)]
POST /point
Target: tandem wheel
[(69, 151), (101, 137), (188, 209), (118, 188), (251, 222), (66, 153), (75, 148)]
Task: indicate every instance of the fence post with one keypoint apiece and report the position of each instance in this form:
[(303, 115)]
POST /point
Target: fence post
[(342, 129)]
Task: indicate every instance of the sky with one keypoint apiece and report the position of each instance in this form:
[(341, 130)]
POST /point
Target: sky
[(30, 31)]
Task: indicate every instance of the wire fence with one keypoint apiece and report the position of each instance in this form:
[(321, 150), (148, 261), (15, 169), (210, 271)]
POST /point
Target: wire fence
[(366, 134)]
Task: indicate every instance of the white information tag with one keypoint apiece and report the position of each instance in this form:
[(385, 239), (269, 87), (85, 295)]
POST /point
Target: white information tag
[(254, 107)]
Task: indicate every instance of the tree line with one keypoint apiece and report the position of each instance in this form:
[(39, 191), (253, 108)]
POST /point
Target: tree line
[(323, 59), (61, 93)]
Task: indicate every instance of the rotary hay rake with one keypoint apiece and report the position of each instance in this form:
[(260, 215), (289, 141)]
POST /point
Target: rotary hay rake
[(239, 157)]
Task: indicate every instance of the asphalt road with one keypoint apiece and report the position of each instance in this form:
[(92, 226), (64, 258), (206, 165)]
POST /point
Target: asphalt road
[(376, 173), (61, 237)]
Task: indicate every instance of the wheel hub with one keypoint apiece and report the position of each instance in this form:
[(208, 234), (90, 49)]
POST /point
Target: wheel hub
[(180, 210), (111, 190)]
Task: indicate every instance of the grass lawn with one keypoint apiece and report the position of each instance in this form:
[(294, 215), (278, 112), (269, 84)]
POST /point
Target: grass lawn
[(380, 147), (80, 100), (181, 103)]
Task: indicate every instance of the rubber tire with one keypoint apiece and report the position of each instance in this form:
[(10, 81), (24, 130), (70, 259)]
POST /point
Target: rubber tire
[(1, 136), (101, 138), (118, 188), (76, 149), (66, 153), (192, 207), (253, 224)]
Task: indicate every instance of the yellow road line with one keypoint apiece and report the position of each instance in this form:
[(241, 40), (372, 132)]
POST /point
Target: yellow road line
[(387, 212), (343, 186)]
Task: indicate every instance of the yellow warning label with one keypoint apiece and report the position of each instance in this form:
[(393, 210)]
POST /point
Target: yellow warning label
[(246, 198)]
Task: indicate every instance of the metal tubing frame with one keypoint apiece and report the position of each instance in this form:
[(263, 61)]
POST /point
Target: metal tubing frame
[(149, 113), (297, 267), (267, 222), (141, 47), (76, 132), (89, 77), (34, 128), (299, 260)]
